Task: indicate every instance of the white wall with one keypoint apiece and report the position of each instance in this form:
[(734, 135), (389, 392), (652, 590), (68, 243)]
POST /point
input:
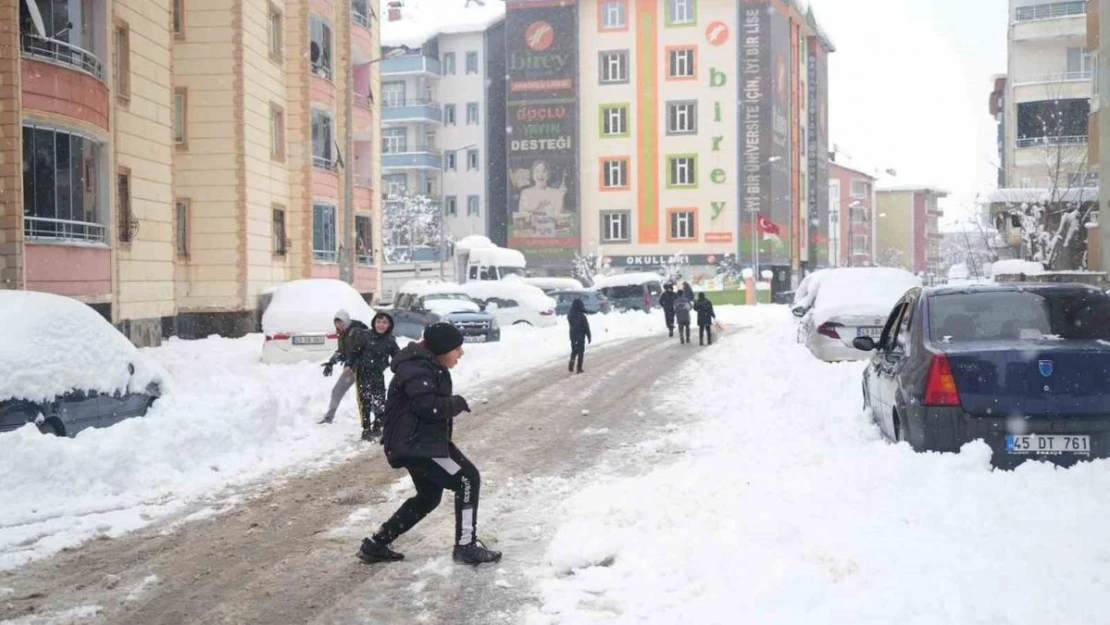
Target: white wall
[(460, 89)]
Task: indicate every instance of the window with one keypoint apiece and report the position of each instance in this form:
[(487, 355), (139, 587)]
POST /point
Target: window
[(471, 62), (181, 229), (123, 205), (1053, 122), (449, 114), (451, 206), (394, 140), (395, 184), (277, 132), (61, 188), (472, 114), (393, 93), (122, 67), (680, 63), (364, 240), (614, 173), (472, 160), (320, 48), (614, 14), (449, 64), (682, 117), (614, 120), (452, 160), (322, 141), (323, 233), (472, 206), (1050, 10), (614, 226), (360, 13), (179, 19), (613, 66), (683, 224), (1080, 64), (279, 230), (276, 34), (681, 12), (682, 171), (861, 189), (180, 116)]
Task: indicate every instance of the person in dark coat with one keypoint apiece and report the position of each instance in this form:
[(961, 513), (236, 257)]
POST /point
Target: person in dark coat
[(688, 291), (682, 307), (666, 301), (345, 327), (369, 352), (704, 308), (419, 420), (579, 333)]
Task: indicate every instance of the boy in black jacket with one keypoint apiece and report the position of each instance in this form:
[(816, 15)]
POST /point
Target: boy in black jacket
[(704, 308), (345, 328), (369, 355), (579, 333)]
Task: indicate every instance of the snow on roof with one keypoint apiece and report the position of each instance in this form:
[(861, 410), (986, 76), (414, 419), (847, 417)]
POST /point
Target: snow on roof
[(551, 283), (430, 287), (1016, 267), (866, 291), (53, 344), (1036, 195), (422, 20), (524, 294), (310, 306), (626, 279), (474, 241), (895, 187), (497, 257)]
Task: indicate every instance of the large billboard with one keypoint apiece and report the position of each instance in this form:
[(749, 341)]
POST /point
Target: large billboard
[(542, 158), (818, 158)]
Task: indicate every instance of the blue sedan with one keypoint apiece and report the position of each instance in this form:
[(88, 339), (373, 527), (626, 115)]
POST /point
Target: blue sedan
[(1024, 367)]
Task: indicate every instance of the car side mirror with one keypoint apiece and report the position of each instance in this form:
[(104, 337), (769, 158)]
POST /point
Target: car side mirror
[(799, 312), (864, 343)]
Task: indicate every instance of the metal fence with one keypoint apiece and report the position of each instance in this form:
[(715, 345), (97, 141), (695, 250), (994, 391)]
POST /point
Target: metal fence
[(1050, 11), (62, 53), (1028, 142), (323, 162), (64, 230)]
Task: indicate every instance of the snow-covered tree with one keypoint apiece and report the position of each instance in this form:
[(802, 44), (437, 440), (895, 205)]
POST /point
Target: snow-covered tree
[(585, 268), (675, 269), (412, 221)]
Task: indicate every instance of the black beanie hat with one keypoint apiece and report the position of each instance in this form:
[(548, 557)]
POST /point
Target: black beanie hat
[(442, 337)]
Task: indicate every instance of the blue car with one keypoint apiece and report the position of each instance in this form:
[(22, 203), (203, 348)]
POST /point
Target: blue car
[(1024, 367)]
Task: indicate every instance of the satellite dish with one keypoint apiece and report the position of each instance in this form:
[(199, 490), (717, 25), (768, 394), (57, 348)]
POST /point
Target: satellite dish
[(36, 17), (313, 50)]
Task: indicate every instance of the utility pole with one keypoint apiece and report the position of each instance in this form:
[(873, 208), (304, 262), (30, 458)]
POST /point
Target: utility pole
[(347, 268)]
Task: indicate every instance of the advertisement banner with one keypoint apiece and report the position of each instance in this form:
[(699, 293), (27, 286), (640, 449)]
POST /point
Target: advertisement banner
[(542, 158), (818, 158), (779, 251), (654, 261)]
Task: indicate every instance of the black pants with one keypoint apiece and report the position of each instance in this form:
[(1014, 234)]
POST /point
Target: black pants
[(371, 396), (684, 332), (705, 334), (431, 476), (669, 316), (577, 351)]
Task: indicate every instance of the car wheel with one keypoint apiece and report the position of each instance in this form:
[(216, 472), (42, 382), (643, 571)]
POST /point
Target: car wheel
[(901, 432), (52, 427), (522, 323)]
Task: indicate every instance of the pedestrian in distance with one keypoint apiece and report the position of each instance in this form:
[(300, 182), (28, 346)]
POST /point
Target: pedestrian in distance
[(706, 315), (419, 422), (579, 334), (688, 291), (344, 328), (647, 300), (370, 352), (682, 307), (666, 301)]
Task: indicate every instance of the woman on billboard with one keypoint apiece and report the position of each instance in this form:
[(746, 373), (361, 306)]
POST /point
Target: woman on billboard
[(540, 202)]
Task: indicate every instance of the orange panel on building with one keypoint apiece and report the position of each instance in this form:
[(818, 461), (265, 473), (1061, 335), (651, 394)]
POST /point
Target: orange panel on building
[(54, 89), (69, 269), (325, 185), (323, 92)]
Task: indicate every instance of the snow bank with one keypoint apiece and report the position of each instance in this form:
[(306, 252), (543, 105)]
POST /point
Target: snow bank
[(626, 279), (560, 284), (52, 344), (310, 306), (775, 502), (1016, 267), (865, 291)]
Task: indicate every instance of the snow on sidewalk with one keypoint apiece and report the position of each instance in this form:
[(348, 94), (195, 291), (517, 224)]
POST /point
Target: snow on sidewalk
[(787, 508), (231, 420)]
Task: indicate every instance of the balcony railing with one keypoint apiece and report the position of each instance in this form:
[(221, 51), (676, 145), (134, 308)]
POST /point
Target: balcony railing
[(422, 148), (395, 103), (1029, 142), (1050, 11), (325, 256), (325, 163), (45, 228), (366, 260), (62, 53), (363, 101), (1079, 76), (364, 181)]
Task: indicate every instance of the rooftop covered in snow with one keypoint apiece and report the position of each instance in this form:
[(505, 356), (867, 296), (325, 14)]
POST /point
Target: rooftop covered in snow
[(422, 20), (1040, 195)]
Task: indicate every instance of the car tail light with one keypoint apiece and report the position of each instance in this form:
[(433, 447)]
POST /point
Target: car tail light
[(277, 337), (547, 313), (333, 336), (829, 329), (940, 386)]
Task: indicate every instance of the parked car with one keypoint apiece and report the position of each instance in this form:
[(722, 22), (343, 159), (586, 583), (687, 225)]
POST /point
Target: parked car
[(548, 285), (1024, 367), (299, 323), (67, 369), (419, 303), (626, 290), (803, 296), (595, 302), (513, 302), (848, 303)]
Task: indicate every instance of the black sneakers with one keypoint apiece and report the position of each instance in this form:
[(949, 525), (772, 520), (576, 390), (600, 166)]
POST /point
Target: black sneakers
[(373, 551), (373, 433), (475, 553)]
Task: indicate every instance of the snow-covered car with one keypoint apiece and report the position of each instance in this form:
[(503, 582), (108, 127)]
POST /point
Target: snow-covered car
[(626, 290), (547, 285), (847, 303), (593, 301), (512, 302), (299, 323), (67, 369), (807, 290), (422, 302)]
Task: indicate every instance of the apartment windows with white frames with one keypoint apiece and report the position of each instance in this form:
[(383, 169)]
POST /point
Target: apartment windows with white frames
[(323, 233), (681, 12), (472, 114), (682, 171), (682, 117), (614, 14), (451, 160), (451, 206), (471, 62), (614, 66), (393, 93), (449, 116), (472, 160), (323, 140), (614, 120), (614, 226), (394, 140), (320, 48), (395, 184), (861, 189), (473, 207), (1079, 64), (614, 173), (448, 63), (683, 225), (680, 63)]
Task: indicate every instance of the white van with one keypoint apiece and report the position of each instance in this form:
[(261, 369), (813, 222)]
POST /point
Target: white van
[(478, 258), (512, 302)]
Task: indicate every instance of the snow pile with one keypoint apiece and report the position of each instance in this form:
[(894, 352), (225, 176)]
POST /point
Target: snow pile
[(1016, 267), (423, 19), (625, 279), (551, 284), (446, 305), (524, 294), (868, 291), (310, 306), (52, 344), (474, 241), (786, 508)]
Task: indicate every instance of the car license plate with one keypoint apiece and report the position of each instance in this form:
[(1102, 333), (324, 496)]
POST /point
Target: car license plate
[(1048, 444), (872, 332), (476, 338), (308, 340)]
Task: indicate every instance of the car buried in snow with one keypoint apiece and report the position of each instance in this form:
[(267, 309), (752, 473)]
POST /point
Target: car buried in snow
[(1023, 367), (299, 323), (419, 303)]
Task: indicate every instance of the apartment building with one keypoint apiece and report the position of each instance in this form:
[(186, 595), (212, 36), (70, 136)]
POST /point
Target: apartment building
[(851, 217), (907, 233), (181, 156)]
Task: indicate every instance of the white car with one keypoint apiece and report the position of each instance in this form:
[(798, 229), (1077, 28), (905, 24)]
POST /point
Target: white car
[(299, 323), (846, 303), (512, 302)]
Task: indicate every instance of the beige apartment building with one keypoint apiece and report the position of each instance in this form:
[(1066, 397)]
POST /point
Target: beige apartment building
[(907, 232), (180, 157)]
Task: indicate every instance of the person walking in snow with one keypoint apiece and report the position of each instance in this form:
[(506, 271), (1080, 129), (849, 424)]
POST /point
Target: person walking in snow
[(419, 420), (706, 315), (682, 307), (579, 333), (344, 328), (369, 354), (688, 292), (666, 301)]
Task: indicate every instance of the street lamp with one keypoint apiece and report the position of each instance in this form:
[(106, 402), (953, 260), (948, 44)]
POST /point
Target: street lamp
[(755, 230)]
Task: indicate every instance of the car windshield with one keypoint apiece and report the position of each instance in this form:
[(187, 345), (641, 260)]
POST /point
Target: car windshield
[(1018, 315), (635, 290), (450, 296)]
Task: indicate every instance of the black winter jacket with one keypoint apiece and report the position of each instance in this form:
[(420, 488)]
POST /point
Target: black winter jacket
[(419, 409), (706, 315), (370, 352), (343, 343), (579, 323), (688, 291), (666, 300)]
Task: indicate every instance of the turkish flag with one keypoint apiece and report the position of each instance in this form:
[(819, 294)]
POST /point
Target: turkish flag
[(768, 227)]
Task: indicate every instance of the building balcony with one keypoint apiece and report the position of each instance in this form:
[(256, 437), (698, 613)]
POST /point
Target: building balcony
[(62, 53), (1050, 21), (1036, 142), (414, 110), (411, 64), (1067, 86), (412, 158)]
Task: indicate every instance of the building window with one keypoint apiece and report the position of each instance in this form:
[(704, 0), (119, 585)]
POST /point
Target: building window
[(395, 184), (393, 93), (614, 227), (277, 132), (614, 66), (861, 189), (276, 34), (681, 64), (449, 114), (364, 240), (472, 206), (1047, 11), (179, 19), (471, 62), (279, 230), (449, 63), (472, 160), (322, 140), (181, 116), (452, 160), (61, 187), (681, 12), (682, 171), (122, 57), (682, 117), (395, 140), (360, 11), (320, 48), (614, 14), (683, 224), (124, 216), (181, 229), (451, 206), (614, 173), (614, 120), (1053, 122), (472, 114), (1079, 64), (323, 233)]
